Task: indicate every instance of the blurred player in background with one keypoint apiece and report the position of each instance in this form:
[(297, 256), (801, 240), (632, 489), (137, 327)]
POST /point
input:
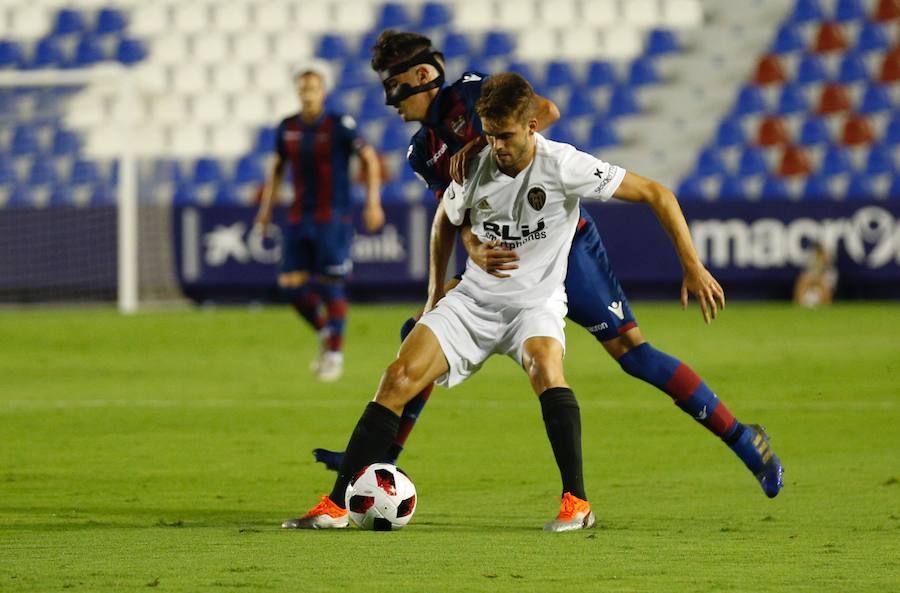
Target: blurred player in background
[(317, 146), (411, 72), (815, 284)]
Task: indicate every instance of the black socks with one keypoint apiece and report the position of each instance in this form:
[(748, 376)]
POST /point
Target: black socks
[(562, 418)]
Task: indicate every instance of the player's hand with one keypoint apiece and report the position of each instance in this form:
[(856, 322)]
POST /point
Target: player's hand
[(373, 217), (706, 289), (494, 259), (460, 160)]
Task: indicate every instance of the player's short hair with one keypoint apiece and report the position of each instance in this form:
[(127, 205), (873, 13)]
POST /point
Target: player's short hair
[(506, 96), (393, 47), (320, 68)]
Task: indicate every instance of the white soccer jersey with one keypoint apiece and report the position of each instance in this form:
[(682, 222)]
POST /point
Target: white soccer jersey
[(534, 213)]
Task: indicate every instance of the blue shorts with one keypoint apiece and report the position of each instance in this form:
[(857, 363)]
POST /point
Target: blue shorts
[(596, 300), (320, 249)]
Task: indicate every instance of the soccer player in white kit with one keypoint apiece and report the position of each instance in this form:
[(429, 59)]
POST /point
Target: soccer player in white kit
[(524, 193)]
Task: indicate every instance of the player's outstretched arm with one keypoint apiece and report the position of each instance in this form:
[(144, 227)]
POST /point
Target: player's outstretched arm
[(697, 279), (270, 194), (373, 214), (443, 234)]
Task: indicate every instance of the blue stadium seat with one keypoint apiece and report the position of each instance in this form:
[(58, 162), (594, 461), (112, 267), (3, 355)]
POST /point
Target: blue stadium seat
[(880, 160), (497, 43), (249, 169), (849, 10), (65, 142), (42, 171), (337, 102), (332, 47), (62, 195), (364, 49), (110, 20), (710, 162), (563, 131), (641, 72), (24, 140), (895, 186), (860, 187), (580, 103), (393, 15), (622, 102), (559, 74), (691, 188), (792, 99), (806, 11), (732, 188), (892, 134), (814, 131), (84, 172), (265, 140), (185, 195), (48, 52), (206, 170), (600, 74), (752, 162), (456, 45), (103, 195), (130, 51), (788, 39), (11, 55), (661, 41), (227, 194), (169, 170), (7, 170), (434, 14), (373, 106), (836, 161), (871, 37), (853, 68), (602, 134), (524, 69), (811, 69), (354, 74), (817, 187), (774, 188), (875, 99), (88, 52), (68, 20), (749, 100), (730, 132), (479, 64), (396, 137), (20, 197)]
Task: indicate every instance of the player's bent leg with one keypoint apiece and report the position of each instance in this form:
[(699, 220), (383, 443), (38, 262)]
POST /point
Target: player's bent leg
[(419, 362), (688, 391)]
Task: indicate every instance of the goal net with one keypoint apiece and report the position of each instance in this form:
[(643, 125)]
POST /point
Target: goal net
[(79, 220)]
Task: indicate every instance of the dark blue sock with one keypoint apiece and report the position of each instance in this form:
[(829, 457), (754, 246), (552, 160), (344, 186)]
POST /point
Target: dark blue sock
[(305, 301), (335, 297)]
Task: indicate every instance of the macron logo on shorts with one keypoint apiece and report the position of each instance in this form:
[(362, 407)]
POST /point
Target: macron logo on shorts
[(616, 308)]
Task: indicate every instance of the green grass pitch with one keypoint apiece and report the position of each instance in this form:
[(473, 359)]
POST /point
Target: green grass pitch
[(162, 451)]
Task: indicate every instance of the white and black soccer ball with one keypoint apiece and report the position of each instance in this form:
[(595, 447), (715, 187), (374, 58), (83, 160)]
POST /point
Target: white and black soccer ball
[(380, 497)]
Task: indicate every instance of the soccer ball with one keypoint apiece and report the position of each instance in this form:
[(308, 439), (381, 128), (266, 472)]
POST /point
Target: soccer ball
[(380, 497)]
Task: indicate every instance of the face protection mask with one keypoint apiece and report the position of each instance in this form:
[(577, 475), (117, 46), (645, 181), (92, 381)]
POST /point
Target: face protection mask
[(395, 95)]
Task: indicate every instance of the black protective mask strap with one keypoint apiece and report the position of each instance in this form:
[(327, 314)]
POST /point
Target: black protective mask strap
[(400, 92)]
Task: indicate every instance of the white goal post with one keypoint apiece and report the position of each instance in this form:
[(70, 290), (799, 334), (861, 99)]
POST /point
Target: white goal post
[(127, 185)]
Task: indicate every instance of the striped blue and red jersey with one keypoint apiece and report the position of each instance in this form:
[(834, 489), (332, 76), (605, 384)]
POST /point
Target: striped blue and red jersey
[(450, 123), (318, 155)]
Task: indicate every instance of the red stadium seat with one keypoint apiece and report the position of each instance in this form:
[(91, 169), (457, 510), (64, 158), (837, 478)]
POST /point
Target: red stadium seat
[(887, 10), (857, 130), (772, 132), (769, 71), (794, 161), (890, 67), (834, 98), (830, 38)]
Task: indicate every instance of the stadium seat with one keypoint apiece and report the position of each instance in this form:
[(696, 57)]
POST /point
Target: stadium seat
[(848, 10), (68, 20), (622, 102), (189, 17), (691, 188), (536, 45), (206, 170), (772, 131), (852, 68), (373, 106), (559, 14), (811, 69), (641, 13), (890, 67), (806, 11), (84, 172), (887, 10), (103, 195), (834, 98), (354, 75), (47, 53), (661, 41), (892, 134), (313, 16), (65, 143), (876, 98), (393, 15), (149, 19), (265, 141), (24, 140), (880, 160), (829, 38), (354, 17), (88, 52), (227, 17), (524, 69), (642, 72), (836, 161), (396, 136), (110, 20), (682, 13), (332, 47), (578, 44), (794, 161), (817, 187), (602, 134), (227, 195), (456, 45), (130, 51), (580, 103), (11, 55), (872, 37), (497, 43), (514, 15), (559, 74), (730, 133), (774, 188), (600, 74), (710, 162), (788, 39), (792, 99), (41, 172), (564, 131), (185, 195), (732, 188), (20, 197), (860, 187), (752, 162), (7, 170), (475, 16), (769, 70), (750, 100), (857, 130), (895, 186), (272, 17), (434, 15), (249, 169)]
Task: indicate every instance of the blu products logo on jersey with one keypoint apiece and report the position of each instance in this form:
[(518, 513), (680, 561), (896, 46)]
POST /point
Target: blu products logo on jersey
[(506, 232)]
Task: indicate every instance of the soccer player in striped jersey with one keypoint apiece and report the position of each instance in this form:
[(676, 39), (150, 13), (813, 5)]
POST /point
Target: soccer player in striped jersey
[(316, 146)]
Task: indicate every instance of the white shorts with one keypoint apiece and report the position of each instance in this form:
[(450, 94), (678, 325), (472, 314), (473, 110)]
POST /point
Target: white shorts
[(469, 332)]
